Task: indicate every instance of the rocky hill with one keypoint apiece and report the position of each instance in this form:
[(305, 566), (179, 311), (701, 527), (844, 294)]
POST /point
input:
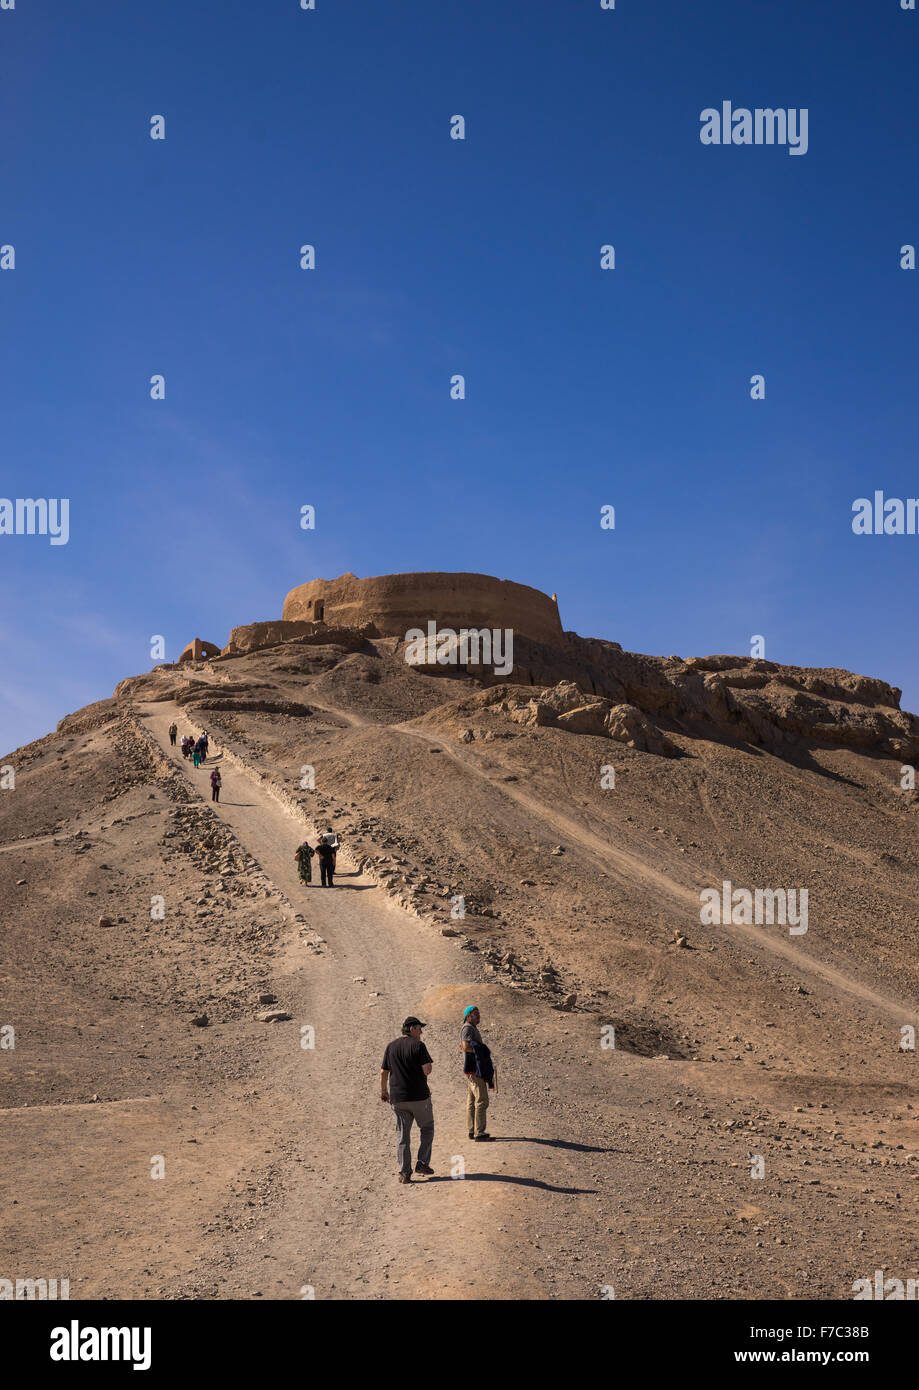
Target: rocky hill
[(543, 839)]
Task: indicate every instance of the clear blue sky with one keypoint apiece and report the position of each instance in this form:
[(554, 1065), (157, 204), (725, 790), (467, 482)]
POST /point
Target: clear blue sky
[(286, 387)]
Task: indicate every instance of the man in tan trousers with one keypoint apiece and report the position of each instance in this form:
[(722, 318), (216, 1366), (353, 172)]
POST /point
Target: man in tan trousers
[(479, 1071)]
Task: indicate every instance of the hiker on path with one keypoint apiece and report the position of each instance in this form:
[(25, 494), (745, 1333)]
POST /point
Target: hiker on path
[(331, 839), (173, 732), (404, 1085), (200, 752), (186, 745), (480, 1073), (215, 784), (326, 863), (196, 754), (303, 855), (204, 741)]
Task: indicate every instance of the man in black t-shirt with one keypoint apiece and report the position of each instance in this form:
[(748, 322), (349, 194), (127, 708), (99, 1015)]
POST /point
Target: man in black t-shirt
[(403, 1084), (326, 863)]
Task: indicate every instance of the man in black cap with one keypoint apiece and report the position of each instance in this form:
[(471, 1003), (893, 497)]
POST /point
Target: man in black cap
[(403, 1083)]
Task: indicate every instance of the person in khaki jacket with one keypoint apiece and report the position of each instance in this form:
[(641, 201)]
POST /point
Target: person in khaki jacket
[(481, 1076)]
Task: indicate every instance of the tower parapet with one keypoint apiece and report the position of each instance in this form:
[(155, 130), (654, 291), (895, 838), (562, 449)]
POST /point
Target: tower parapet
[(394, 603)]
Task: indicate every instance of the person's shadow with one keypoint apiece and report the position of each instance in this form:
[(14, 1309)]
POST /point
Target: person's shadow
[(521, 1182), (553, 1144)]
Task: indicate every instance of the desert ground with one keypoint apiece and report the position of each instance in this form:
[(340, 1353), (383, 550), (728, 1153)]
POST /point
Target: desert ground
[(625, 1168)]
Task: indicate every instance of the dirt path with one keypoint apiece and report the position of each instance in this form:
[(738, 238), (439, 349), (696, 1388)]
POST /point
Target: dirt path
[(31, 844), (632, 869), (344, 1225)]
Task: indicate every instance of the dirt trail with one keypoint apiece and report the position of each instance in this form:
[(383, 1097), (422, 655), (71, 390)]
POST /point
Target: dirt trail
[(633, 869), (30, 844), (344, 1225)]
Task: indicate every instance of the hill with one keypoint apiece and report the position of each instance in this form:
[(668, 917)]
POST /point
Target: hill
[(539, 844)]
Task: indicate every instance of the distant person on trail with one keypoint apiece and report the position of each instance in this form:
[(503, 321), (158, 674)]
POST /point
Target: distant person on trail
[(303, 855), (215, 784), (403, 1084), (200, 751), (196, 754), (480, 1073), (331, 839), (204, 741), (173, 732), (326, 863), (186, 745)]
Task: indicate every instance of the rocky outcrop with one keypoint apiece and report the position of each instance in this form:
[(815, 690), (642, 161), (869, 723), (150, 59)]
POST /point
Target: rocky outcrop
[(565, 706), (761, 701), (585, 685), (626, 724)]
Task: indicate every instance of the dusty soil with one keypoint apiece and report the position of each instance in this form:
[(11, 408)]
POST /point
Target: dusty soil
[(628, 1167)]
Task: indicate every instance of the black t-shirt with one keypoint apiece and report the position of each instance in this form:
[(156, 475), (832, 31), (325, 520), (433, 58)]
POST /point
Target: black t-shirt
[(325, 851), (403, 1059)]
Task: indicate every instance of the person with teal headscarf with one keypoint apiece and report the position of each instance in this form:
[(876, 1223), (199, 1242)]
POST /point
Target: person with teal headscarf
[(479, 1071)]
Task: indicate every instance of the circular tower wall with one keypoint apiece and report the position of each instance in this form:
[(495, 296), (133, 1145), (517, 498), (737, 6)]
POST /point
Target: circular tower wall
[(394, 603)]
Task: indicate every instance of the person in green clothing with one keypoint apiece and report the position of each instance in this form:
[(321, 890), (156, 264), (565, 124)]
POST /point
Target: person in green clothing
[(303, 855)]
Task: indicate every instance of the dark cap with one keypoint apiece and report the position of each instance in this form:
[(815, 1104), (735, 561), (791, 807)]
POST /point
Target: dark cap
[(412, 1023)]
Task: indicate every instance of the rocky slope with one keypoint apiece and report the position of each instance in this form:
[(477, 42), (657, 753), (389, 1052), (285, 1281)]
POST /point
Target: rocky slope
[(554, 831)]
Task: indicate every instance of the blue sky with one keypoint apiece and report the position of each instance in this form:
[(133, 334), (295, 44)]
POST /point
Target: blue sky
[(482, 257)]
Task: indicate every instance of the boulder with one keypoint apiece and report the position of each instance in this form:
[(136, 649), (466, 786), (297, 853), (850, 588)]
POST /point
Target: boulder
[(626, 724), (587, 719), (563, 697), (533, 712)]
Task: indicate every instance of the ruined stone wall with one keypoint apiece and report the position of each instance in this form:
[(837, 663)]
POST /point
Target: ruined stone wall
[(396, 602), (252, 636), (197, 650)]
